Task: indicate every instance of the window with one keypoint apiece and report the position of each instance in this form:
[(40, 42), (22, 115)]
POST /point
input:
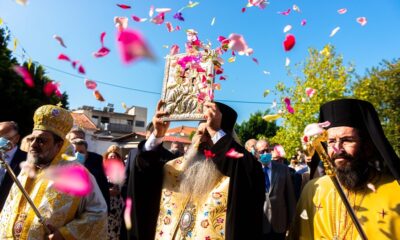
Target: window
[(105, 120), (130, 122), (139, 124)]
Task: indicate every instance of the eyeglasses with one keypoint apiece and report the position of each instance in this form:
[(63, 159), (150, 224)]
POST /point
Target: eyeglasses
[(345, 141), (263, 151)]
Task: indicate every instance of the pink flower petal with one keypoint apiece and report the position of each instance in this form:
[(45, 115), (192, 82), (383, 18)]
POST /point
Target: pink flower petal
[(59, 40), (81, 69), (174, 50), (101, 52), (342, 11), (258, 3), (71, 179), (90, 84), (315, 129), (310, 92), (177, 28), (217, 86), (121, 22), (238, 44), (132, 46), (123, 6), (138, 19), (285, 13), (102, 36), (280, 151), (209, 154), (75, 63), (170, 28), (22, 72), (289, 42), (255, 60), (289, 108), (233, 154), (114, 170), (303, 22), (151, 11), (127, 213), (159, 19), (98, 96), (49, 88), (64, 57), (362, 21)]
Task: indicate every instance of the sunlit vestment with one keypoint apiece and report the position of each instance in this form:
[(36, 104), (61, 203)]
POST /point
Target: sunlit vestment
[(321, 214), (75, 217)]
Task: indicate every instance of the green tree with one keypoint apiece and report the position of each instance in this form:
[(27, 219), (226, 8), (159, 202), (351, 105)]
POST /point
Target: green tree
[(381, 87), (256, 127), (323, 71), (18, 101)]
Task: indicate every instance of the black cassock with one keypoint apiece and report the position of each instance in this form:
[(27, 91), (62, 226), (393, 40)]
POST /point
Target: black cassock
[(245, 199)]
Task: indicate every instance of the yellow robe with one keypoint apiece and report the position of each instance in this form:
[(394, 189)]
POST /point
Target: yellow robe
[(75, 217), (321, 214), (209, 216)]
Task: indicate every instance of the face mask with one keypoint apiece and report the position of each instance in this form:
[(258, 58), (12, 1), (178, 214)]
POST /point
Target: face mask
[(253, 151), (80, 157), (265, 158)]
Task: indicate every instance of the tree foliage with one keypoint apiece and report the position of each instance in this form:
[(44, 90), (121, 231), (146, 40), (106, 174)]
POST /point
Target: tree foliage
[(323, 71), (256, 127), (381, 87), (18, 101)]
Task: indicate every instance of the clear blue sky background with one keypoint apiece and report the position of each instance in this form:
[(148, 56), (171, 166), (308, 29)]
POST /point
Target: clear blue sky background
[(80, 23)]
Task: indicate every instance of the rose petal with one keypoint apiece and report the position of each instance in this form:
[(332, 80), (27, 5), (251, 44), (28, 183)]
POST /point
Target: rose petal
[(289, 108), (81, 69), (174, 50), (98, 96), (151, 11), (280, 151), (71, 179), (233, 154), (138, 19), (159, 19), (289, 42), (296, 8), (287, 62), (49, 88), (127, 213), (255, 60), (26, 76), (101, 52), (209, 154), (59, 40), (303, 22), (90, 84), (342, 11), (132, 46), (271, 117), (179, 16), (63, 57), (310, 92), (285, 13), (213, 21), (123, 6), (334, 31), (287, 28), (163, 10), (238, 44), (170, 28), (121, 22), (114, 170), (362, 21)]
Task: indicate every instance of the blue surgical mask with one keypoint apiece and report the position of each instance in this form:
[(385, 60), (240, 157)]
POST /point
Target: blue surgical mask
[(265, 158), (253, 151), (80, 157)]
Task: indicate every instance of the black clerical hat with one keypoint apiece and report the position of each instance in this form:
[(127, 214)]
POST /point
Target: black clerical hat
[(229, 117), (361, 115)]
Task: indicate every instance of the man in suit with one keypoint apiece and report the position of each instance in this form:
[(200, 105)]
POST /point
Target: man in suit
[(13, 157), (92, 161), (280, 201)]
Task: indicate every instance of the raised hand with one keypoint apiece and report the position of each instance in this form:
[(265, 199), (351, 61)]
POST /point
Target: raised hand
[(160, 126), (213, 117)]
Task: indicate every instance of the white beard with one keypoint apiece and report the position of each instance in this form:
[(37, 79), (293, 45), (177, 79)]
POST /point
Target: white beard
[(199, 175)]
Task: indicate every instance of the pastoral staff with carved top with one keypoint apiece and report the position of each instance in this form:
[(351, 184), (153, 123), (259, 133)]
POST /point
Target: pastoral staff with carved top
[(368, 170), (215, 191)]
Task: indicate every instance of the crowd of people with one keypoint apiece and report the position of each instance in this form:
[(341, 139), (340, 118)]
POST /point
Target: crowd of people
[(216, 188)]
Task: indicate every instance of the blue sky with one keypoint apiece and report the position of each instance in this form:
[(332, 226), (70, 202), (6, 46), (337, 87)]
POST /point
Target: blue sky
[(80, 23)]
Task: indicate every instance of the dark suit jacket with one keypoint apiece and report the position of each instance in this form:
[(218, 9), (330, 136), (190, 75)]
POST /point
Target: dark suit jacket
[(7, 182), (280, 201), (94, 163)]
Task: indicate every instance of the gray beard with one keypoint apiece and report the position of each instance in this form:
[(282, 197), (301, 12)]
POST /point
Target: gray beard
[(199, 175)]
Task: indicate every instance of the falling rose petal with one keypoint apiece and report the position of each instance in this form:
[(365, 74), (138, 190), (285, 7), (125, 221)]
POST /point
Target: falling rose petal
[(49, 88), (90, 84), (124, 106), (243, 10), (192, 4), (74, 63), (296, 8), (59, 40), (101, 52), (342, 11), (210, 94), (72, 179), (238, 44), (102, 36), (177, 28), (289, 108), (257, 3), (123, 6), (63, 57), (271, 117), (127, 213), (274, 104), (15, 44), (213, 21), (371, 186), (151, 11), (287, 28), (280, 151), (217, 86), (132, 46), (209, 154), (138, 19), (159, 19), (233, 154), (362, 21), (231, 59), (289, 42), (334, 31), (163, 10), (121, 22), (114, 170), (22, 2), (255, 60), (179, 16), (324, 124), (304, 215), (287, 62), (303, 22), (201, 97), (222, 78), (170, 28), (314, 129), (22, 72), (174, 50), (81, 69), (266, 72), (285, 13), (98, 96), (310, 92)]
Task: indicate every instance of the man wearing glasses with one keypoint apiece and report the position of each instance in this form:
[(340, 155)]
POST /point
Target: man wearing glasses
[(280, 201)]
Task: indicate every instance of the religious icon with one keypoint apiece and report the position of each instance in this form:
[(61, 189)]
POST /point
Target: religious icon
[(188, 83)]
